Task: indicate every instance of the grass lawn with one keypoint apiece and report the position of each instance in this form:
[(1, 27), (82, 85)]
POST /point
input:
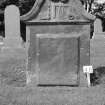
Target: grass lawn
[(13, 90), (30, 95)]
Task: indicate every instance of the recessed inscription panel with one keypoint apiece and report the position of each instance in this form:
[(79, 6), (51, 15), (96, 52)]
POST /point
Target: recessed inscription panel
[(57, 59)]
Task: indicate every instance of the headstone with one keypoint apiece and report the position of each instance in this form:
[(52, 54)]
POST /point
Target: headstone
[(97, 26), (12, 55), (55, 53), (12, 27)]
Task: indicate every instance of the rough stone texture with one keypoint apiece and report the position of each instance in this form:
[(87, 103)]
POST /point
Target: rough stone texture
[(57, 58), (82, 30), (68, 19)]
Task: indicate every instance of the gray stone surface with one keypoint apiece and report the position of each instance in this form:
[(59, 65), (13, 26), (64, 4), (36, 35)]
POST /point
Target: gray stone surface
[(12, 27), (12, 54), (32, 61), (97, 51), (58, 60), (97, 26), (44, 63)]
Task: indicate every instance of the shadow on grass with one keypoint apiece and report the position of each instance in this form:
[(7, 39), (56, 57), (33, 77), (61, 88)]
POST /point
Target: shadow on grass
[(98, 76)]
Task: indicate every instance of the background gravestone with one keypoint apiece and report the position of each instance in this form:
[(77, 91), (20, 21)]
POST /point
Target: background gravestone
[(12, 54), (98, 45), (12, 27), (97, 26)]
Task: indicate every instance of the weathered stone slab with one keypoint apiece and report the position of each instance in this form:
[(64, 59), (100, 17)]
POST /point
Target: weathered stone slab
[(12, 54), (54, 29), (97, 26), (48, 59), (12, 27), (57, 59), (98, 50)]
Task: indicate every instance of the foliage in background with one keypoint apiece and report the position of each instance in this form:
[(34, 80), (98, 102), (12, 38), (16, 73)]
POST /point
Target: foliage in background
[(98, 10), (94, 7), (24, 5)]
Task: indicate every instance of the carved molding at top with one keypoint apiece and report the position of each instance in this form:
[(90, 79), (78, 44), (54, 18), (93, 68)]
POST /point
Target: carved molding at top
[(57, 10), (33, 11)]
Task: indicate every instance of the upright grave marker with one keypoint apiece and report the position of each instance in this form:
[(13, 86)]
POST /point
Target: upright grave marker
[(12, 27), (58, 46), (97, 26), (12, 55)]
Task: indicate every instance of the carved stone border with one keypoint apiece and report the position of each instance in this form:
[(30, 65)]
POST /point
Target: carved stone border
[(33, 11), (36, 8)]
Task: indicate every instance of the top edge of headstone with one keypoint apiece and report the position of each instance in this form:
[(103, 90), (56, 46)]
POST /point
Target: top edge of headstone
[(11, 6), (50, 11)]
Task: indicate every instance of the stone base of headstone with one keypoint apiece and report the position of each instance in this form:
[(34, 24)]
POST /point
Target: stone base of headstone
[(32, 79)]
